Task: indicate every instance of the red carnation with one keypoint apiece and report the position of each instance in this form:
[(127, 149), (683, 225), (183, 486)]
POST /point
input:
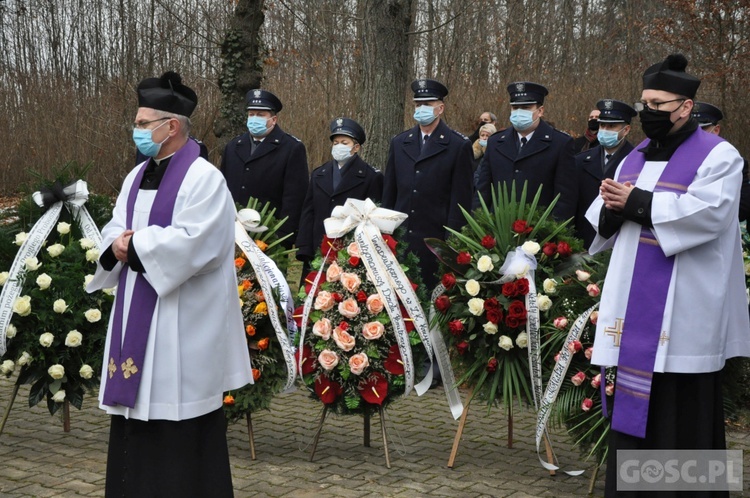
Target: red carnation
[(448, 280), (327, 390), (442, 303), (517, 309), (522, 286), (494, 315), (463, 258), (563, 249), (374, 389), (391, 242), (461, 347), (309, 360), (354, 261), (520, 226), (456, 327), (492, 365), (488, 241), (393, 364), (549, 249), (337, 297), (344, 325), (509, 289), (362, 297)]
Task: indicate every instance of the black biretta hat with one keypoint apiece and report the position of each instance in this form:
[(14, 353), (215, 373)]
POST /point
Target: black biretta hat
[(167, 94), (425, 90), (670, 76), (615, 111), (262, 100), (348, 127), (707, 114), (526, 92)]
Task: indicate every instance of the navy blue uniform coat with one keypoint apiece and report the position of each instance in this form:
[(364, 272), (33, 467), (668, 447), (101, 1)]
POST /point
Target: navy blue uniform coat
[(359, 180), (276, 173), (546, 160), (590, 164), (428, 183)]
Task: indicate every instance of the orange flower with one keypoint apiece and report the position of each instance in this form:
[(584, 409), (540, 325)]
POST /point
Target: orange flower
[(246, 284), (256, 374), (263, 344), (261, 245), (250, 329), (229, 399), (259, 296), (239, 263)]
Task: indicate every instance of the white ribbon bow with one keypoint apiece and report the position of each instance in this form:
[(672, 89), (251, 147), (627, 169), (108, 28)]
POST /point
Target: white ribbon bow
[(346, 218), (76, 196), (250, 219), (516, 265)]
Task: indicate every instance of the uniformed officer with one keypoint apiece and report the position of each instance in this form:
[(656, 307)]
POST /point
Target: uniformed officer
[(428, 175), (708, 117), (531, 151), (331, 184), (601, 161), (267, 163)]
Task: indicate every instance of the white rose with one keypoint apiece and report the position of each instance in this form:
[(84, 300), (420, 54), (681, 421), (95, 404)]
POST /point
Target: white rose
[(56, 371), (472, 287), (550, 285), (505, 342), (59, 306), (543, 302), (63, 228), (86, 372), (25, 359), (22, 306), (46, 339), (32, 264), (43, 281), (4, 277), (55, 250), (7, 367), (490, 328), (59, 396), (522, 340), (582, 275), (93, 315), (87, 244), (530, 247), (484, 264), (73, 339), (110, 291), (92, 255), (11, 331), (476, 306), (87, 280), (21, 238)]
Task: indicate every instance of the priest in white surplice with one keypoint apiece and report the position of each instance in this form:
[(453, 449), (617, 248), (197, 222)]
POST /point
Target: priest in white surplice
[(175, 341), (673, 305)]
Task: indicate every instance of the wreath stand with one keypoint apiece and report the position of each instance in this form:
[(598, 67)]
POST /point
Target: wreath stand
[(16, 387), (251, 436), (462, 424), (366, 432)]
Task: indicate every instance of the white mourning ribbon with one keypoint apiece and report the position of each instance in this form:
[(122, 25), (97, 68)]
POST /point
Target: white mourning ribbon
[(444, 360), (553, 387), (76, 195), (270, 278)]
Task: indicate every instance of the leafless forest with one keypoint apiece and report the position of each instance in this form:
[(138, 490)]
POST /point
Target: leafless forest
[(68, 68)]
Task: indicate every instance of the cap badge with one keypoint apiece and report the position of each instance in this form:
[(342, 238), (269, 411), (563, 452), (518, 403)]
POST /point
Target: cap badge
[(520, 87), (422, 84), (608, 105), (256, 93), (340, 122)]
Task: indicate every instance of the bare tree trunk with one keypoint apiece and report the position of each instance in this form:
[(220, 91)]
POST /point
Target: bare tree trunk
[(384, 73), (242, 67)]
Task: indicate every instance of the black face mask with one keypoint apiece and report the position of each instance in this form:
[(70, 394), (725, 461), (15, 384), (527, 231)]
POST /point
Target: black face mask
[(594, 124), (656, 124)]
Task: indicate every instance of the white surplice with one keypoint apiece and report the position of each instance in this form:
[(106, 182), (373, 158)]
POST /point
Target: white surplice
[(196, 346), (705, 320)]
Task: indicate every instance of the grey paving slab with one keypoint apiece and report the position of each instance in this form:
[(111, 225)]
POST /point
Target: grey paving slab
[(39, 459)]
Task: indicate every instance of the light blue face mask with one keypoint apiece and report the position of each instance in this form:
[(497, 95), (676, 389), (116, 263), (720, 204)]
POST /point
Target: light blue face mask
[(145, 143), (256, 125), (521, 119), (424, 115), (483, 143), (608, 138)]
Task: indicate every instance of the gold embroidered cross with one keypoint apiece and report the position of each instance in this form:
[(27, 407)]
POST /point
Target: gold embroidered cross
[(615, 331), (663, 338), (112, 368), (129, 368)]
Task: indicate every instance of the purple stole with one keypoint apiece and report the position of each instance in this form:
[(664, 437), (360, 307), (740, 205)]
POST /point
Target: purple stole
[(641, 329), (125, 364)]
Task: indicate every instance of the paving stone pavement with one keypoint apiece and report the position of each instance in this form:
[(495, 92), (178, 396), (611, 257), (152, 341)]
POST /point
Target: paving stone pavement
[(37, 458)]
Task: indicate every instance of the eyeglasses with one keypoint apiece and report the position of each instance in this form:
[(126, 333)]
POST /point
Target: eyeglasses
[(142, 124), (644, 106)]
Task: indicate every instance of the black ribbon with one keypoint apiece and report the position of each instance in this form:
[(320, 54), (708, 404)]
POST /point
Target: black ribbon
[(55, 193)]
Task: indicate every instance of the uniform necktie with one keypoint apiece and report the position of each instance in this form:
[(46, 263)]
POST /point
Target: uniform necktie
[(256, 144), (607, 157), (523, 141), (336, 175)]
